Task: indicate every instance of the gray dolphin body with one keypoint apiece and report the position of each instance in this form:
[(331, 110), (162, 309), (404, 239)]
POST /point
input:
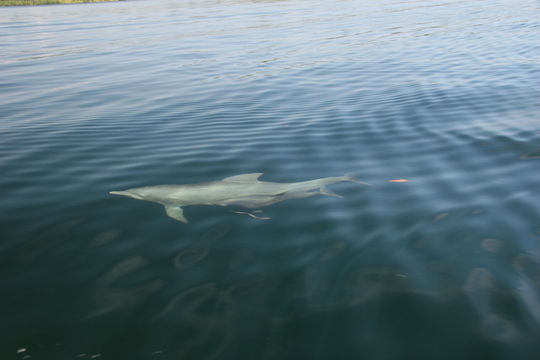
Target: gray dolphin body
[(243, 190)]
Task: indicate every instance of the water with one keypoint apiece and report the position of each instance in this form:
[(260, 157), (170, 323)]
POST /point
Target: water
[(101, 97)]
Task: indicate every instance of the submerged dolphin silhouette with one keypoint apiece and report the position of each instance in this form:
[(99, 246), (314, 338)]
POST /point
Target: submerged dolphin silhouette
[(244, 190)]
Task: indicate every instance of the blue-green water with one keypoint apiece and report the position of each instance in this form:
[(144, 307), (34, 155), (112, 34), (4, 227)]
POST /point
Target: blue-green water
[(101, 97)]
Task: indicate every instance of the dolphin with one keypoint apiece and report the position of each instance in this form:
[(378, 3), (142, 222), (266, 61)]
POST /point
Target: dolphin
[(245, 190)]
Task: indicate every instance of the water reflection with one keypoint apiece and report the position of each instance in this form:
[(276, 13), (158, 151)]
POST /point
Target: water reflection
[(497, 327), (109, 296), (532, 155), (187, 304), (105, 237), (189, 257), (492, 245), (48, 239), (216, 233), (198, 323), (479, 280)]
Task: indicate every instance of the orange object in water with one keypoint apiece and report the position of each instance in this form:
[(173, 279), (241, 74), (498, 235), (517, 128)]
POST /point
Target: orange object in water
[(398, 180)]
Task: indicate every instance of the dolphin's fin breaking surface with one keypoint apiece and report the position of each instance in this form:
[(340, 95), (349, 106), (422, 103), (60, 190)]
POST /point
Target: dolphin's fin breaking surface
[(244, 177), (176, 212), (325, 191)]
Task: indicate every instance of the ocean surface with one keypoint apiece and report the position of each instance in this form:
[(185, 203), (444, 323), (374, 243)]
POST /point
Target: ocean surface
[(443, 96)]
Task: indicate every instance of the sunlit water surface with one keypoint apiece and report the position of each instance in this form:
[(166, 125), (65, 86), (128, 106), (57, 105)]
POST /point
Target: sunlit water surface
[(102, 97)]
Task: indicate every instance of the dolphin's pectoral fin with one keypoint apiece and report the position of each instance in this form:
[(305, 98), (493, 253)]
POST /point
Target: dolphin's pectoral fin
[(325, 191), (176, 212)]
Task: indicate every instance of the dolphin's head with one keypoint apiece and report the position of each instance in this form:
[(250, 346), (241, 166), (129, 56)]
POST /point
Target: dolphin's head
[(129, 193)]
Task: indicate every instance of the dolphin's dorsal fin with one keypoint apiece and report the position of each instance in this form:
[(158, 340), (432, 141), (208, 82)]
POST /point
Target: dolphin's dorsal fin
[(244, 177)]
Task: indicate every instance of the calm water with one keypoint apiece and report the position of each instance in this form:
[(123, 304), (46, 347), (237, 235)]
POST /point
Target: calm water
[(102, 97)]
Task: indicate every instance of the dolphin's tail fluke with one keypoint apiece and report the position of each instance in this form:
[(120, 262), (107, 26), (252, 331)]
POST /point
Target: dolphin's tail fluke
[(326, 191), (352, 178)]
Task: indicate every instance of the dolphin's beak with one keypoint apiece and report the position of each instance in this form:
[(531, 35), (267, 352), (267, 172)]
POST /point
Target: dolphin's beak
[(124, 193), (127, 193)]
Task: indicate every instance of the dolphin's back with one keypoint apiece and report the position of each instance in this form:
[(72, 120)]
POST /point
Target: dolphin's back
[(209, 193)]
